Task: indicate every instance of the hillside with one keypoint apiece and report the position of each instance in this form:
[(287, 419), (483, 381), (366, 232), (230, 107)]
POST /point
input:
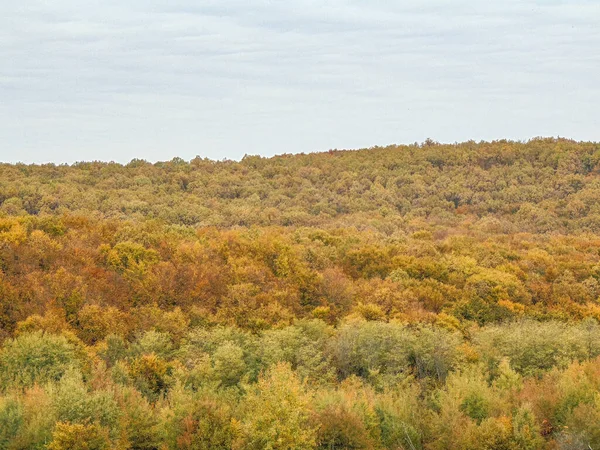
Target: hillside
[(409, 297), (542, 185)]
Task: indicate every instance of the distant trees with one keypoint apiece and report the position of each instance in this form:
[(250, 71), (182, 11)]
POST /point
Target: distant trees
[(541, 185)]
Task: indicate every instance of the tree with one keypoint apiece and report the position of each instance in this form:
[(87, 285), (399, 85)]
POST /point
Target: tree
[(78, 436), (276, 413), (36, 358)]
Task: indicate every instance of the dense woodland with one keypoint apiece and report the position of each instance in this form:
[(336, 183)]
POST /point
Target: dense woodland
[(409, 297)]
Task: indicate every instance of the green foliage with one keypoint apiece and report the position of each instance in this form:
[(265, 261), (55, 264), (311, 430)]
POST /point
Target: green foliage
[(340, 428), (73, 403), (38, 420), (401, 418), (534, 347), (200, 421), (302, 346), (347, 417), (228, 364), (153, 342), (526, 431), (276, 413), (113, 349), (151, 375), (11, 420), (139, 423), (434, 352), (67, 436), (36, 358), (475, 407), (370, 349), (130, 257)]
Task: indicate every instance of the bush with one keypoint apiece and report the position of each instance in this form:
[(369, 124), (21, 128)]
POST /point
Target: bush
[(11, 420), (366, 349), (78, 436), (435, 352), (36, 358), (139, 424), (200, 421), (73, 403), (536, 347), (276, 413), (151, 376), (154, 342)]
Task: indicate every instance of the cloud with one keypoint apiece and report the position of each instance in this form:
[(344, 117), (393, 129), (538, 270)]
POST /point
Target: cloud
[(157, 78)]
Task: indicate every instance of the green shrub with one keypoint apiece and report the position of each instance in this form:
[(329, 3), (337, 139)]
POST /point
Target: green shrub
[(36, 358)]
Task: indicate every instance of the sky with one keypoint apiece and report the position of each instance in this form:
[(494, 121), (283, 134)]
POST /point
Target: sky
[(114, 80)]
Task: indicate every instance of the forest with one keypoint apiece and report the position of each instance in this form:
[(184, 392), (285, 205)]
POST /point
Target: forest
[(410, 297)]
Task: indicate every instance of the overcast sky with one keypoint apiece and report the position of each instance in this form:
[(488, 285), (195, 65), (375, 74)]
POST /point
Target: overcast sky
[(154, 79)]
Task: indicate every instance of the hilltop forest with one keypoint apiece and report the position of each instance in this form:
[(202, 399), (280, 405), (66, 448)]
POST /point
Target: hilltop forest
[(419, 297)]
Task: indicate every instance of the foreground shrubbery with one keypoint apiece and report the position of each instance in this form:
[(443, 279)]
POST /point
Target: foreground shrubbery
[(364, 384)]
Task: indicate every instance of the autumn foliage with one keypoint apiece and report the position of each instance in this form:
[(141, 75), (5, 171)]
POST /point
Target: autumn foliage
[(409, 297)]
